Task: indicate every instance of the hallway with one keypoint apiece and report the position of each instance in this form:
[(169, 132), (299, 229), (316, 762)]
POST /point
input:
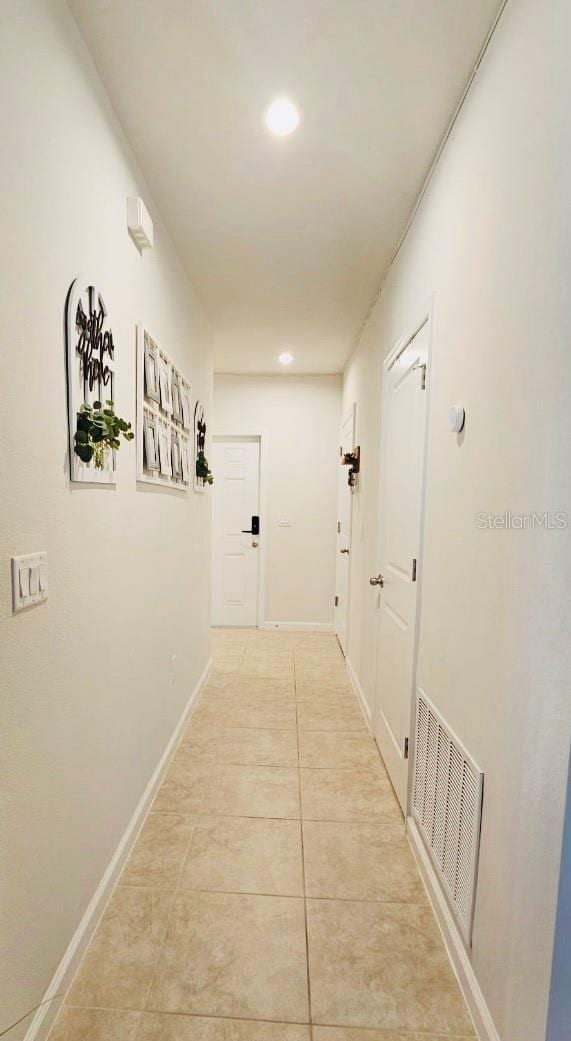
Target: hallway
[(272, 885)]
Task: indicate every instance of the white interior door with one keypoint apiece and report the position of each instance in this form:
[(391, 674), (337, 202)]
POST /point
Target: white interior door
[(236, 500), (344, 515), (402, 470)]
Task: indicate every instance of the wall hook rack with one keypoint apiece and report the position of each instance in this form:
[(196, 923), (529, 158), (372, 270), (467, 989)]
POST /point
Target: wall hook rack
[(353, 461)]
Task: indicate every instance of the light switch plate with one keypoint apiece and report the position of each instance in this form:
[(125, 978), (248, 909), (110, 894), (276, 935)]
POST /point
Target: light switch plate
[(29, 580)]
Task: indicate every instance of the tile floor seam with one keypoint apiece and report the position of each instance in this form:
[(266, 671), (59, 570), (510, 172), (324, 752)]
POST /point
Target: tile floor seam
[(284, 896), (269, 766), (210, 1015), (303, 866), (429, 1034)]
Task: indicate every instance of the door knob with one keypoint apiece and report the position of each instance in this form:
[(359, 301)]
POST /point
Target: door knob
[(377, 580), (343, 550)]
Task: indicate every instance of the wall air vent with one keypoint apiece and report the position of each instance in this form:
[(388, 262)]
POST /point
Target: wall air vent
[(447, 807)]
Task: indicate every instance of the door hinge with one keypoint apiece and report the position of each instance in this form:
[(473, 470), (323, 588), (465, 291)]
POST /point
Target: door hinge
[(413, 579), (336, 601), (405, 756), (338, 527), (340, 450)]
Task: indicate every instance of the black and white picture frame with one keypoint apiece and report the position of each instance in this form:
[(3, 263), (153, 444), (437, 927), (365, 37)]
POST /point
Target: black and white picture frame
[(185, 403), (150, 443), (161, 417), (176, 398), (164, 439), (165, 385), (176, 456), (152, 373), (185, 460)]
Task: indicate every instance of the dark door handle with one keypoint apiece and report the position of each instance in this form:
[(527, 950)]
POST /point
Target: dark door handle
[(255, 529)]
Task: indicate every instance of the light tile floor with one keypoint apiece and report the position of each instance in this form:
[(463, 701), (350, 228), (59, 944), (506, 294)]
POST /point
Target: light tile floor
[(271, 895)]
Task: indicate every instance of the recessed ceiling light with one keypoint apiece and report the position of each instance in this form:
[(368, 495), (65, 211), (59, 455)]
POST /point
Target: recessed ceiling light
[(282, 117), (285, 358)]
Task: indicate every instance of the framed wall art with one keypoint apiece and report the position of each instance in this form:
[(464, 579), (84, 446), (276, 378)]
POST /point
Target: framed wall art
[(150, 446), (176, 455), (176, 398), (152, 373), (199, 482), (165, 448), (185, 403), (95, 430), (90, 357), (163, 405), (165, 388)]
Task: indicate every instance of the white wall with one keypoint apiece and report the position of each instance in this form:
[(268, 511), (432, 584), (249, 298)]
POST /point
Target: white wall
[(94, 681), (491, 240), (298, 417)]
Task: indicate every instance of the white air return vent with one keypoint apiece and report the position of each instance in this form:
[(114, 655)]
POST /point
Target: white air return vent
[(447, 806)]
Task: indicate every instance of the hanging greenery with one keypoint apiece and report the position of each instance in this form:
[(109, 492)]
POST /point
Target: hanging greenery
[(99, 431), (203, 469)]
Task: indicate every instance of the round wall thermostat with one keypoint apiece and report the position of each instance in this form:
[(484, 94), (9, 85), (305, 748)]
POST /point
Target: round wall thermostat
[(456, 418)]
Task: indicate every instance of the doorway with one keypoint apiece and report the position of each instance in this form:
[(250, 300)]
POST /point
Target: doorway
[(236, 531), (344, 524), (403, 441)]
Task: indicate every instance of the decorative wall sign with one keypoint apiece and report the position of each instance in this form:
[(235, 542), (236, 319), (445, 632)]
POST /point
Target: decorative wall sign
[(90, 353), (353, 461), (162, 439), (201, 470)]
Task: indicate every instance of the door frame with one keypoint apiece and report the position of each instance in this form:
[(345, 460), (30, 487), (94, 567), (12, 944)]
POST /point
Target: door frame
[(262, 440), (352, 412), (422, 315)]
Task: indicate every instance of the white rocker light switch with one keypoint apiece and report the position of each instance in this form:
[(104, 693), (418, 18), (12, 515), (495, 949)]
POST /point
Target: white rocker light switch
[(29, 580)]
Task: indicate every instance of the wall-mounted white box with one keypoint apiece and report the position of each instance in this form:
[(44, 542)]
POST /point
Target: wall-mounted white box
[(29, 580), (139, 223)]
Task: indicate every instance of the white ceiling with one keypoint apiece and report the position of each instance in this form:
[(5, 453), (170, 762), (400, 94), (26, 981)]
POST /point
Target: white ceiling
[(286, 239)]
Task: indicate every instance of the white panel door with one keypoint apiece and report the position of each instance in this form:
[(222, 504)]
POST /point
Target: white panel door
[(402, 469), (236, 499), (344, 515)]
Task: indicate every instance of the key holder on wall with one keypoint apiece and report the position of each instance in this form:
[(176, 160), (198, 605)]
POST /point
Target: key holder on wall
[(353, 461)]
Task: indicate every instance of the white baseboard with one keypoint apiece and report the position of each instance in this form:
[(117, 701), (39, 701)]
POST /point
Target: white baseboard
[(483, 1022), (300, 627), (54, 995), (360, 693)]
